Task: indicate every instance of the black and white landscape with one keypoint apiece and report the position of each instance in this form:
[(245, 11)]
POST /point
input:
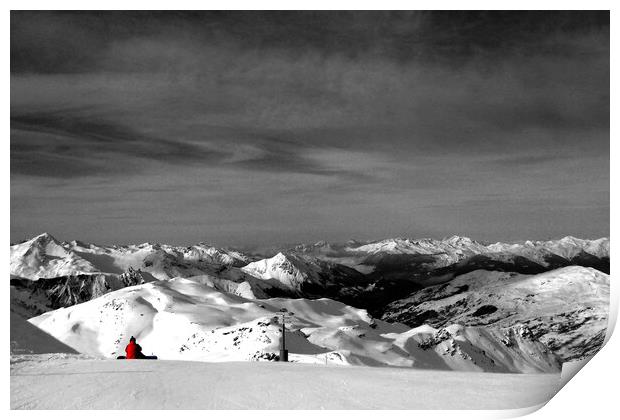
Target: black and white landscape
[(202, 172), (449, 304), (453, 304)]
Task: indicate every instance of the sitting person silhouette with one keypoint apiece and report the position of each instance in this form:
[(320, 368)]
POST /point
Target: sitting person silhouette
[(133, 350)]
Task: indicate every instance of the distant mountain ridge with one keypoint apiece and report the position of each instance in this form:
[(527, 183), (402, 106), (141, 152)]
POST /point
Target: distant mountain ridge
[(43, 256), (363, 274), (455, 248)]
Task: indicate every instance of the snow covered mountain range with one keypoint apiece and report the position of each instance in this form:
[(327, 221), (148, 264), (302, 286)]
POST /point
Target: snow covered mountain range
[(45, 257), (449, 304), (48, 274), (566, 309), (368, 275), (184, 320)]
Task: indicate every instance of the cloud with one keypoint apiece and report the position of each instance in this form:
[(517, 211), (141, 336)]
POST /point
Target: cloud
[(42, 41), (76, 143), (526, 160), (66, 144), (319, 115)]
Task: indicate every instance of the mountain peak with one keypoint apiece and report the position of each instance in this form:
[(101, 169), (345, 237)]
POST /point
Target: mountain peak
[(571, 240), (44, 241), (458, 240), (282, 259), (44, 237)]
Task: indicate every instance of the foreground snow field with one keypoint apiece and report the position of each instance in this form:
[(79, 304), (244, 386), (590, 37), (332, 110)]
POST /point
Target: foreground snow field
[(88, 383)]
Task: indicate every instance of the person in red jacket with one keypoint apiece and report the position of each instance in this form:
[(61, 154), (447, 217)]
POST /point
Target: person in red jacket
[(133, 350)]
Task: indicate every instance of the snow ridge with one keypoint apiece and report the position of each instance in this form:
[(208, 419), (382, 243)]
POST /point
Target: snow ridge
[(185, 320), (566, 309)]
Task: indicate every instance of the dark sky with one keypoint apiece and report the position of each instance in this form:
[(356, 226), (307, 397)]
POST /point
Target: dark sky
[(257, 128)]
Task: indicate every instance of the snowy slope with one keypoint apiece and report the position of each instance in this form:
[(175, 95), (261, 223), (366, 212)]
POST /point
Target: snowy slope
[(455, 250), (141, 384), (394, 268), (28, 339), (212, 255), (33, 297), (48, 274), (292, 272), (44, 256), (456, 247), (235, 281), (304, 274), (567, 308), (451, 248), (183, 319), (568, 247)]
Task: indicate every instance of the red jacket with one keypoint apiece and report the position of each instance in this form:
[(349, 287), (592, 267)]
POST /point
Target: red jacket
[(133, 350)]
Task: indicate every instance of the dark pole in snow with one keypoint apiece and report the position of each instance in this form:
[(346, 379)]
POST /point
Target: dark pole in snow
[(283, 350)]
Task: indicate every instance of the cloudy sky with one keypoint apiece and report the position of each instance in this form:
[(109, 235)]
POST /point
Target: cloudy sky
[(264, 128)]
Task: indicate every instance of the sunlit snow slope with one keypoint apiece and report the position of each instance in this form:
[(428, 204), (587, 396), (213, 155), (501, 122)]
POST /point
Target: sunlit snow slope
[(567, 309), (183, 319), (28, 339)]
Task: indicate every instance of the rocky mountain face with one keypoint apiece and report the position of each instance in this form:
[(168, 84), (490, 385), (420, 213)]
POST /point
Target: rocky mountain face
[(32, 298)]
